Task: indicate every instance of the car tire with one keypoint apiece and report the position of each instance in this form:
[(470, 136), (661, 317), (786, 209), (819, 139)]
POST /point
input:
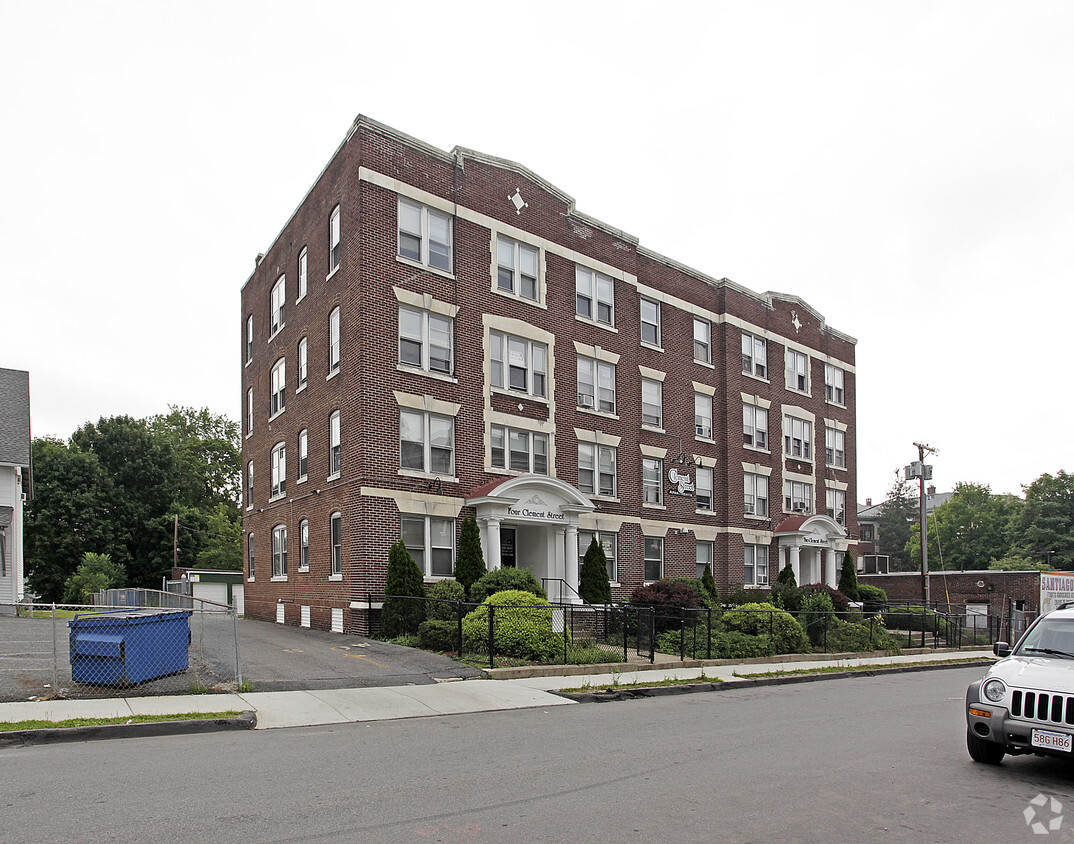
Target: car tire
[(986, 752)]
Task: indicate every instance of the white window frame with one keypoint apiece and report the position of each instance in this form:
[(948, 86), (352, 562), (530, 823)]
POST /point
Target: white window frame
[(652, 480), (608, 542), (303, 455), (424, 558), (333, 342), (651, 544), (652, 403), (250, 485), (249, 411), (438, 258), (334, 250), (249, 338), (594, 299), (701, 560), (835, 501), (278, 388), (304, 545), (279, 552), (595, 375), (508, 438), (834, 380), (795, 493), (303, 365), (797, 438), (335, 449), (797, 371), (652, 322), (703, 416), (756, 572), (702, 341), (592, 458), (702, 487), (534, 363), (755, 494), (250, 556), (425, 421), (303, 274), (278, 471), (513, 269), (277, 306), (835, 453), (335, 541), (755, 426), (428, 325), (754, 356)]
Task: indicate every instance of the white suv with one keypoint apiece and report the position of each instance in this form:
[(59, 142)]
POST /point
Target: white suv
[(1025, 703)]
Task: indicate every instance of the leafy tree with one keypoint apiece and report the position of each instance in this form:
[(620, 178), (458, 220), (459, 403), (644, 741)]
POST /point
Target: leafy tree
[(208, 455), (593, 583), (896, 524), (404, 581), (1045, 529), (94, 573), (469, 562), (1016, 562), (848, 577), (222, 542), (967, 530)]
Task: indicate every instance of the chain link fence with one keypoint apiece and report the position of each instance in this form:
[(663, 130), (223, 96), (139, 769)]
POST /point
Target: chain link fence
[(148, 643)]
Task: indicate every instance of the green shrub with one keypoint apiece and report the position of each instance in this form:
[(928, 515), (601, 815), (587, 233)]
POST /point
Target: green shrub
[(848, 578), (817, 614), (709, 584), (704, 597), (522, 627), (868, 592), (669, 599), (741, 596), (439, 635), (94, 573), (469, 562), (445, 590), (844, 637), (724, 645), (786, 575), (786, 595), (402, 614), (503, 579), (593, 584), (840, 602), (787, 634)]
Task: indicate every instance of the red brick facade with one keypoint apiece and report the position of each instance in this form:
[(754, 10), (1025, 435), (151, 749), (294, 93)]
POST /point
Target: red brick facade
[(486, 201)]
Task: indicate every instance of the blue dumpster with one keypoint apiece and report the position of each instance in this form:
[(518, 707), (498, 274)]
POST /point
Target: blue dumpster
[(128, 646)]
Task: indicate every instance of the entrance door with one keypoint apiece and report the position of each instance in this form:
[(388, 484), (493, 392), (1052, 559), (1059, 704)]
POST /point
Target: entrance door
[(507, 547)]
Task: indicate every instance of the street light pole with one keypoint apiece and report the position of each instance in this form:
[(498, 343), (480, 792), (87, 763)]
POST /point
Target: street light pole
[(923, 473)]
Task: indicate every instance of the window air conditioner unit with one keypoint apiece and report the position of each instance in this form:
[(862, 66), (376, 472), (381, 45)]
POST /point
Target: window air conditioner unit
[(799, 508), (585, 400)]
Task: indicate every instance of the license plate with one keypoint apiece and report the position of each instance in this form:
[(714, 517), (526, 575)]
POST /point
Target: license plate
[(1051, 741)]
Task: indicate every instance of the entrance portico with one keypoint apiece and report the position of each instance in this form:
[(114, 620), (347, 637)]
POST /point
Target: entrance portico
[(531, 522), (812, 544)]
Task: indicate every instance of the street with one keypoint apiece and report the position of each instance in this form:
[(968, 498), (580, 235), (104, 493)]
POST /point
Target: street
[(869, 757)]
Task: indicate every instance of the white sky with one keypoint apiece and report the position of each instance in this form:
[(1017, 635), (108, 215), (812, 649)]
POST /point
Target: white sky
[(904, 167)]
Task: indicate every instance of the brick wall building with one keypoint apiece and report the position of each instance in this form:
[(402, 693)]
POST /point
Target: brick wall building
[(437, 334)]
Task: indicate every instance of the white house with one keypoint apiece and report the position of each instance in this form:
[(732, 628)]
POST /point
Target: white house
[(16, 483)]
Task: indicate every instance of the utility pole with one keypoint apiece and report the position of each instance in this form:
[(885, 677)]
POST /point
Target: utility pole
[(923, 473), (175, 543)]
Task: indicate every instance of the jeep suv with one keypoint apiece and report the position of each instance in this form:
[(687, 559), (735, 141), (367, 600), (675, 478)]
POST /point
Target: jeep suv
[(1025, 703)]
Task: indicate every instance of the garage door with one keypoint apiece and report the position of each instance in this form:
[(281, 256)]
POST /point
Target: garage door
[(211, 592)]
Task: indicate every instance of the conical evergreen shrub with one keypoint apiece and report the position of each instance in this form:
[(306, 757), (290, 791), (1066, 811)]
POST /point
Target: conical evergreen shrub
[(848, 578), (593, 584), (405, 581), (469, 563)]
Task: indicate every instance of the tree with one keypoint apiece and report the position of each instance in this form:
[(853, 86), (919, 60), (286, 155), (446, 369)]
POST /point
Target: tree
[(94, 573), (593, 583), (1016, 562), (222, 542), (208, 455), (404, 582), (848, 577), (708, 583), (469, 563), (896, 524), (967, 530), (1045, 529)]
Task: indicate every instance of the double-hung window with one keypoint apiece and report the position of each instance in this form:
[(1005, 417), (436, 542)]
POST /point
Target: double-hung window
[(335, 532), (797, 497), (250, 556), (249, 411), (519, 451), (303, 280), (754, 355), (652, 402), (333, 241), (607, 541), (431, 543), (756, 560), (652, 474), (755, 494), (335, 457), (425, 340), (755, 426), (279, 469), (333, 341), (596, 469), (277, 387), (518, 364), (302, 364), (703, 557), (835, 448), (249, 339), (516, 268), (250, 485), (703, 415), (279, 551), (650, 322), (596, 384), (303, 454), (304, 545), (424, 235), (702, 340), (833, 384), (704, 489), (426, 442), (277, 305), (797, 371), (595, 296), (654, 558), (797, 438), (837, 505)]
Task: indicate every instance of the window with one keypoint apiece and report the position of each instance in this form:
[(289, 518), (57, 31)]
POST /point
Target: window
[(865, 533), (833, 384), (426, 442), (431, 542), (596, 469), (797, 497), (652, 402), (519, 451), (336, 535), (596, 385), (279, 551), (517, 364), (279, 470), (333, 241), (835, 448), (302, 367), (516, 268), (333, 341), (703, 557), (424, 235), (303, 454), (654, 558), (652, 472), (277, 305), (304, 545), (754, 355), (607, 542), (837, 505), (334, 449), (704, 489), (703, 415), (249, 339), (650, 322), (595, 296), (702, 341), (250, 556), (797, 371), (425, 340), (755, 494), (3, 552), (797, 438), (250, 411), (756, 558), (250, 485), (302, 275), (277, 387), (755, 426)]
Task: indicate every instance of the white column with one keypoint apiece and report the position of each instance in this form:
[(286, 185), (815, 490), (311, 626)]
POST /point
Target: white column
[(494, 544), (829, 567), (571, 574), (796, 564), (560, 573)]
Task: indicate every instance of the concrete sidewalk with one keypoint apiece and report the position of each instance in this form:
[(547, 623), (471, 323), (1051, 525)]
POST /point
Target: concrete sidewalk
[(338, 706)]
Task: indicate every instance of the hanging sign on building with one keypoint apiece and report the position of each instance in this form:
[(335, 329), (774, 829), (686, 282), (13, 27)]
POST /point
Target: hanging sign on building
[(683, 484)]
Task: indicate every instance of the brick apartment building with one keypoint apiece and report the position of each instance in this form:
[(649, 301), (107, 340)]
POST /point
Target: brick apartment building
[(436, 334)]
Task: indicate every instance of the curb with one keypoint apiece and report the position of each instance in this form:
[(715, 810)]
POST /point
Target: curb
[(614, 695), (55, 735)]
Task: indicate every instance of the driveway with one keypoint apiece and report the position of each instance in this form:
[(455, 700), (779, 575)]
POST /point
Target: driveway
[(276, 657)]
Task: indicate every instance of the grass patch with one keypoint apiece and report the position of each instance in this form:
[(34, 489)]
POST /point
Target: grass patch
[(11, 726), (646, 684), (843, 669)]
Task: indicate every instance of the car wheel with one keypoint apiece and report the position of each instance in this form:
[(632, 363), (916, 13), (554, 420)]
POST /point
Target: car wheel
[(987, 752)]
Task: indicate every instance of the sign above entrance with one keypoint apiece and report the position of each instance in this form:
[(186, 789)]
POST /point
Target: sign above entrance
[(536, 508)]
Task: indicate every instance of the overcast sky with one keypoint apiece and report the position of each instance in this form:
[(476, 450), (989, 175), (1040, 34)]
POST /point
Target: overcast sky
[(903, 167)]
